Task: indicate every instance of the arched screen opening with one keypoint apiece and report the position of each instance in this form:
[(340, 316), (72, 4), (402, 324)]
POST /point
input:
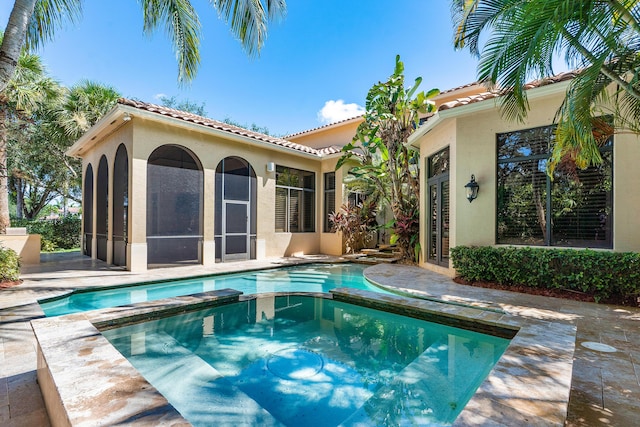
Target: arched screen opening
[(120, 205), (174, 207), (87, 212), (102, 208)]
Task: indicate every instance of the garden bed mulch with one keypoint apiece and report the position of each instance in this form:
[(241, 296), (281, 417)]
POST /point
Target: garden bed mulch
[(555, 293), (9, 283)]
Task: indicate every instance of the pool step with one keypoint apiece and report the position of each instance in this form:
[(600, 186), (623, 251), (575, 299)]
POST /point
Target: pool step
[(195, 388), (373, 256), (420, 389)]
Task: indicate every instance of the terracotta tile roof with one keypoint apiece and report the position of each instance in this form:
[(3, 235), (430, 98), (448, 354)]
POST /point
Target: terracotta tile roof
[(496, 93), (459, 87), (214, 124), (323, 126), (334, 149)]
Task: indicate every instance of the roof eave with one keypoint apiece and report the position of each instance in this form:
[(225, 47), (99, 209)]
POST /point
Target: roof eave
[(325, 127), (90, 138), (474, 107)]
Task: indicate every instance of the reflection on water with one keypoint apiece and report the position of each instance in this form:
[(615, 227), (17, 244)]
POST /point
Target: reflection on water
[(301, 360), (306, 278)]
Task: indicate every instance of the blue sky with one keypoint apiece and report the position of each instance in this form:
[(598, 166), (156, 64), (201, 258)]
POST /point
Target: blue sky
[(324, 53)]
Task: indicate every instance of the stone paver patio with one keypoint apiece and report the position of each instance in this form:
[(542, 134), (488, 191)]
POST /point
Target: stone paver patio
[(605, 386)]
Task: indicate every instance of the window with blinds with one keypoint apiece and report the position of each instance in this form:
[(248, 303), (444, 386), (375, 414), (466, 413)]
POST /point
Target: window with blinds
[(329, 199), (295, 200), (574, 209)]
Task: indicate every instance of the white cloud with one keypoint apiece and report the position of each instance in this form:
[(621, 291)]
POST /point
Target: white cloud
[(159, 96), (335, 111)]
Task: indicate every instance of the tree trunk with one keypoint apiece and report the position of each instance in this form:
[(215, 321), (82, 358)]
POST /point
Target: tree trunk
[(19, 198), (4, 189), (13, 40)]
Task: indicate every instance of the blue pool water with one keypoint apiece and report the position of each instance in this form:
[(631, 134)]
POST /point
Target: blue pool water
[(304, 361), (304, 278)]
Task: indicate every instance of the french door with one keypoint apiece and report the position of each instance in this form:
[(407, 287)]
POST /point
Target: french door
[(438, 219)]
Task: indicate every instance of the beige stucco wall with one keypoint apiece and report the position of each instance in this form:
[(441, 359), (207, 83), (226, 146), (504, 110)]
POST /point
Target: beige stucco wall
[(626, 197), (142, 136), (331, 243), (27, 247), (471, 136), (108, 147), (338, 134)]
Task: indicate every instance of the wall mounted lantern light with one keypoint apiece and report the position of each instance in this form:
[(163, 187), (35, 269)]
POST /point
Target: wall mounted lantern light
[(472, 188), (271, 167)]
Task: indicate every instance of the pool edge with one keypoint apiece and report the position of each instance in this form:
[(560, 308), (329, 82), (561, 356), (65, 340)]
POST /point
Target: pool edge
[(515, 392)]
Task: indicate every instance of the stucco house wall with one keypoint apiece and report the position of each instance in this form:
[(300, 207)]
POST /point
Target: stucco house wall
[(470, 132), (336, 134), (142, 133)]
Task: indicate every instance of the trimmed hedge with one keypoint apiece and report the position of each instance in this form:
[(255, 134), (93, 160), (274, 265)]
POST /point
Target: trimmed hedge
[(9, 265), (602, 274), (61, 233)]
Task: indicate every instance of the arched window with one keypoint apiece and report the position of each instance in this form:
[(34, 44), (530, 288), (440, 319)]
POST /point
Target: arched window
[(174, 207), (120, 205), (102, 208), (87, 211), (235, 210)]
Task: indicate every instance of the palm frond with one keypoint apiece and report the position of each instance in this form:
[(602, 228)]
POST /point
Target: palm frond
[(248, 20), (48, 17), (182, 25)]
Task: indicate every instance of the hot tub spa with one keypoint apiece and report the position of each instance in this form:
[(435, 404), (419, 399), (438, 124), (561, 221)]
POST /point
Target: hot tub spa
[(350, 357), (300, 360)]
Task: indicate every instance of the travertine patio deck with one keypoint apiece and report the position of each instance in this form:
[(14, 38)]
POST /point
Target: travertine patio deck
[(605, 386)]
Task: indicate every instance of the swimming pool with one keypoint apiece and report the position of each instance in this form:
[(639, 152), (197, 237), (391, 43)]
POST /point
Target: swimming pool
[(301, 360), (301, 278)]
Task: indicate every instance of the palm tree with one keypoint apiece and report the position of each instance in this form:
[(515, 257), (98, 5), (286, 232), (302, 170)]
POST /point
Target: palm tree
[(60, 124), (85, 104), (378, 153), (599, 38), (29, 88), (33, 22)]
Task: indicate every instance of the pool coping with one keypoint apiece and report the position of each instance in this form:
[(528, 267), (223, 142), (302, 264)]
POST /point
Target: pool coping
[(530, 384)]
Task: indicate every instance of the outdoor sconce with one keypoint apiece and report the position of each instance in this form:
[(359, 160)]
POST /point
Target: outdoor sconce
[(271, 167), (472, 188)]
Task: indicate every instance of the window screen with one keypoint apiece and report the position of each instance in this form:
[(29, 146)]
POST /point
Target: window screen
[(574, 209), (329, 199), (295, 200)]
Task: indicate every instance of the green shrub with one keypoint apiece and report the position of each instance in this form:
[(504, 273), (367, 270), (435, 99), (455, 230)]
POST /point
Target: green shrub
[(602, 274), (9, 265), (61, 233)]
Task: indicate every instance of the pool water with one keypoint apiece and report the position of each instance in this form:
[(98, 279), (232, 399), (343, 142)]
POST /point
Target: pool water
[(303, 278), (300, 360)]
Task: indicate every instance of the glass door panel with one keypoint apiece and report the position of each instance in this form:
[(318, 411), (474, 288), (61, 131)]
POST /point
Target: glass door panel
[(236, 231), (433, 223), (444, 222), (438, 220)]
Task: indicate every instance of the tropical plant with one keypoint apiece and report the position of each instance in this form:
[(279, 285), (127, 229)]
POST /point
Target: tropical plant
[(357, 224), (599, 38), (84, 104), (39, 169), (9, 265), (378, 152), (27, 91), (33, 22), (63, 233)]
